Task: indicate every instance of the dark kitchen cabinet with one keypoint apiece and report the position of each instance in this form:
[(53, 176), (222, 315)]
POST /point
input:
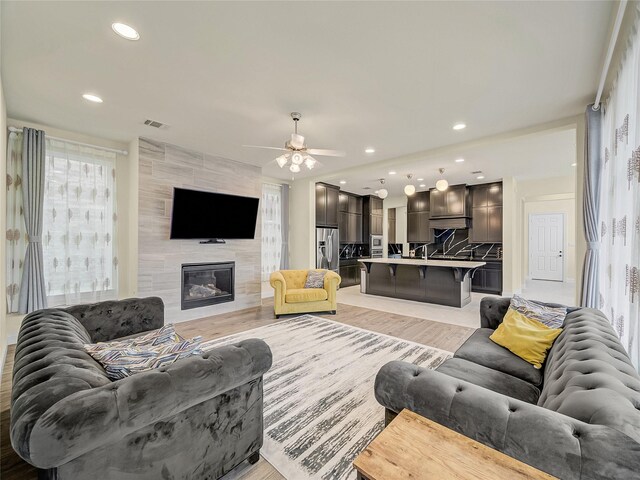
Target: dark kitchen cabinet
[(355, 228), (418, 214), (327, 200), (343, 202), (488, 278), (355, 204), (453, 202), (486, 217), (343, 227), (391, 226), (418, 230), (371, 216), (418, 202), (350, 274)]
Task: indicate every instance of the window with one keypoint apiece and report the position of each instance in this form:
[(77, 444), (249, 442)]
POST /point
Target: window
[(271, 229), (79, 224)]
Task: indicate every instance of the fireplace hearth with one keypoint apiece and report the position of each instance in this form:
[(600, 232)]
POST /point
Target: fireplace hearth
[(207, 284)]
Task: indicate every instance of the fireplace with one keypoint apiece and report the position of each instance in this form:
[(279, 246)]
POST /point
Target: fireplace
[(207, 284)]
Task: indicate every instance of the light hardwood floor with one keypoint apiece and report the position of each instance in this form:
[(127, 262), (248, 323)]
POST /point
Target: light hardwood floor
[(436, 334)]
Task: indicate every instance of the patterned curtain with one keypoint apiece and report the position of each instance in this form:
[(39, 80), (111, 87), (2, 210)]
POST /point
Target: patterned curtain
[(79, 232), (16, 229), (619, 262), (271, 229)]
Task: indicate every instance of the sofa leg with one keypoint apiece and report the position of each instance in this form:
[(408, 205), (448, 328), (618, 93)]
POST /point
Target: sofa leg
[(253, 459), (389, 415), (333, 312), (277, 317)]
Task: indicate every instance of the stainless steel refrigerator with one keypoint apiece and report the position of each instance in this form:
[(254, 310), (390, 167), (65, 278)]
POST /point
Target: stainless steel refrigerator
[(327, 249)]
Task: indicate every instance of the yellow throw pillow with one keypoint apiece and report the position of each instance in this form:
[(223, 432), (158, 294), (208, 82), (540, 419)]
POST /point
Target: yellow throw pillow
[(525, 337)]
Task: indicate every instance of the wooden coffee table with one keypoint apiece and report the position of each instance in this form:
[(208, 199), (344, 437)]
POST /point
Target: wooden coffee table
[(418, 448)]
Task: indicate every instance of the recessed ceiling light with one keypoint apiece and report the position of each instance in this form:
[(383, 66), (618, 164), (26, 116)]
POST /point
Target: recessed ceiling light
[(421, 179), (574, 164), (459, 126), (480, 177), (370, 150), (459, 160), (92, 98), (125, 31), (422, 185), (392, 172), (342, 182)]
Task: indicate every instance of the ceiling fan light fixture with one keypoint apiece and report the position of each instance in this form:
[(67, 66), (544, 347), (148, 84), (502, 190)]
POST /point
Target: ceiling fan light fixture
[(294, 168), (282, 161), (297, 158), (309, 162)]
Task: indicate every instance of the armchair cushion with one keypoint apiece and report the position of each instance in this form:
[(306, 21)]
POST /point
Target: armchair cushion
[(315, 279), (479, 349), (301, 295)]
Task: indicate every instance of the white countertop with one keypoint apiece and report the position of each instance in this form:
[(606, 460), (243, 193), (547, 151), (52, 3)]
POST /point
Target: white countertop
[(428, 263)]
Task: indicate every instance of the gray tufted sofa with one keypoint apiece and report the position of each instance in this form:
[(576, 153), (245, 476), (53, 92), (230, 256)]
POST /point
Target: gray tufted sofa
[(195, 419), (576, 418)]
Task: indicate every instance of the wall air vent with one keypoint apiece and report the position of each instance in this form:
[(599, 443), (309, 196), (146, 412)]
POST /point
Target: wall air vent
[(156, 124)]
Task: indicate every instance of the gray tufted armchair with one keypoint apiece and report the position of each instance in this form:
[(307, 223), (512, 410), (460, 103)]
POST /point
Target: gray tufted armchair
[(195, 419), (578, 418)]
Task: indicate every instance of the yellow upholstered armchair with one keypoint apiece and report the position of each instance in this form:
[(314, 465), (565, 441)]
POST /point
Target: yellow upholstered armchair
[(290, 296)]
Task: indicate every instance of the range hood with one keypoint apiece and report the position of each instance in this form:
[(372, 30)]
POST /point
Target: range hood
[(448, 223)]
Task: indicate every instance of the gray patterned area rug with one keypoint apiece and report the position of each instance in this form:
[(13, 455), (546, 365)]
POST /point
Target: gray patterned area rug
[(319, 408)]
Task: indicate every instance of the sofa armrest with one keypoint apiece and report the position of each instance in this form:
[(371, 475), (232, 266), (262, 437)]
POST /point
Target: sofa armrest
[(331, 283), (548, 440), (492, 311), (99, 416), (105, 321), (276, 280)]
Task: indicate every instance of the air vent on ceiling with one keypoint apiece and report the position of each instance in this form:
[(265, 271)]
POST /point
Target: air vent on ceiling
[(366, 188), (155, 124), (475, 172)]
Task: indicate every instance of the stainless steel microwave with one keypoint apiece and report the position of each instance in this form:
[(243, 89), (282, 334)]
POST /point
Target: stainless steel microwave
[(375, 241)]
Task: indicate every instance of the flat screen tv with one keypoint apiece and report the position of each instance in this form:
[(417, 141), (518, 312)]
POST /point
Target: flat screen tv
[(212, 216)]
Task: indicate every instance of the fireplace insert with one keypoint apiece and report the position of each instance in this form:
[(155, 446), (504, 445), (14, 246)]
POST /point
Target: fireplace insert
[(207, 284)]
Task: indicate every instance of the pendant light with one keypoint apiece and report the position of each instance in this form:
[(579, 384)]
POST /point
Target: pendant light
[(442, 184), (409, 189), (382, 193)]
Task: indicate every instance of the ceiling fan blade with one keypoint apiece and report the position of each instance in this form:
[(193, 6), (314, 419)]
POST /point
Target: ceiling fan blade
[(269, 148), (325, 153)]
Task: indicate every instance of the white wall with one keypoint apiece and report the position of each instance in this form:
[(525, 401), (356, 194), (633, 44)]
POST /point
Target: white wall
[(302, 215), (546, 195)]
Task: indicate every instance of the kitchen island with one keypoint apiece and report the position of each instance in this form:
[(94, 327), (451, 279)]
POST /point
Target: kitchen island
[(443, 282)]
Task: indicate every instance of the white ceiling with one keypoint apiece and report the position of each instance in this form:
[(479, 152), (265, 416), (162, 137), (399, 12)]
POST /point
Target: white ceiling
[(395, 76), (526, 157)]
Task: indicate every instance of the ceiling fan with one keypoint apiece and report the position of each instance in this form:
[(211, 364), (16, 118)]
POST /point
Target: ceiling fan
[(297, 151)]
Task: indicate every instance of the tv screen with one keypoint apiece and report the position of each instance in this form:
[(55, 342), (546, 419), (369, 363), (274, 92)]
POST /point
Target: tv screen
[(207, 215)]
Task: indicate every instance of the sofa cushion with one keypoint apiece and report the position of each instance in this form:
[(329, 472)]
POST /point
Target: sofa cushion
[(589, 376), (303, 295), (552, 317), (164, 335), (491, 379), (479, 349)]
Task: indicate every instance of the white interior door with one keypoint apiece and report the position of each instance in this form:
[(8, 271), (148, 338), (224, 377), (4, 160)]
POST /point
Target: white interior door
[(546, 241)]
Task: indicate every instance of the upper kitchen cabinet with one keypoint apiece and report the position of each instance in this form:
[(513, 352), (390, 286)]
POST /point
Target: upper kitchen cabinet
[(343, 202), (418, 202), (486, 218), (453, 202), (327, 202), (371, 216), (350, 218)]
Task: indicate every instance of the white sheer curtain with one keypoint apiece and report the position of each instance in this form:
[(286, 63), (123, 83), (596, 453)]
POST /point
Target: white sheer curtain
[(271, 229), (16, 229), (79, 229), (619, 261)]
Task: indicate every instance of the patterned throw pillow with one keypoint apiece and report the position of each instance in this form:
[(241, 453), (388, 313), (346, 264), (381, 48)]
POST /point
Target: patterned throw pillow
[(156, 349), (315, 279), (166, 334), (552, 317), (123, 363)]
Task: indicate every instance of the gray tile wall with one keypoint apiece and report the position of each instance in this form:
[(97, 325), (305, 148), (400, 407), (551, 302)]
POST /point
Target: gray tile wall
[(161, 167)]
